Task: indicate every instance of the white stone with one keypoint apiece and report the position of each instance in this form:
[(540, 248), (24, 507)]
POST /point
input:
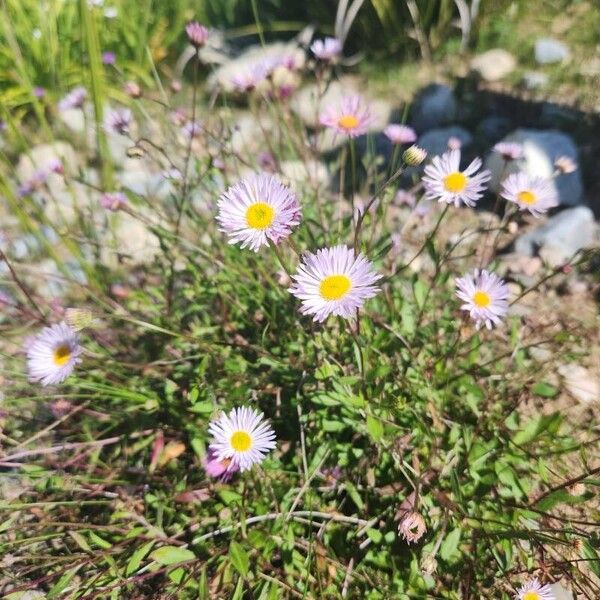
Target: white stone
[(580, 383), (549, 50), (541, 149), (312, 172), (494, 64)]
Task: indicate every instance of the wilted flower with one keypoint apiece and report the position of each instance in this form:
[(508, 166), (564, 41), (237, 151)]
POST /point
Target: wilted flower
[(197, 34), (534, 194), (400, 134), (118, 121), (74, 99), (565, 165), (534, 590), (412, 526), (485, 296), (351, 117), (257, 210), (509, 150), (445, 182), (53, 354), (414, 156), (109, 58), (334, 281), (132, 89), (327, 49), (242, 437), (113, 201), (219, 469)]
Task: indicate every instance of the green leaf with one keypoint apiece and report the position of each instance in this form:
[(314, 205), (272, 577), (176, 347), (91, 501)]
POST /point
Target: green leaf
[(375, 535), (239, 558), (98, 541), (588, 552), (449, 546), (374, 427), (229, 497), (171, 555), (62, 583), (544, 389), (137, 557)]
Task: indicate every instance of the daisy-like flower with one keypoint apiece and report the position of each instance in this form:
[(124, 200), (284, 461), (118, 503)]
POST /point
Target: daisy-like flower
[(53, 354), (334, 282), (113, 201), (219, 469), (485, 296), (197, 34), (534, 590), (400, 134), (242, 437), (412, 527), (74, 99), (257, 209), (509, 150), (327, 49), (445, 181), (534, 194), (118, 121), (351, 117)]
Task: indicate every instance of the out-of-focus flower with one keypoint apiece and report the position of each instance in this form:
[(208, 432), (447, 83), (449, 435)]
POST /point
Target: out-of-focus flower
[(485, 297), (197, 34), (405, 198), (111, 12), (565, 165), (79, 318), (252, 77), (445, 182), (243, 437), (400, 134), (109, 58), (414, 156), (118, 121), (132, 89), (218, 469), (55, 165), (509, 150), (39, 92), (53, 354), (178, 117), (266, 161), (352, 117), (412, 526), (534, 590), (175, 86), (257, 210), (34, 183), (334, 281), (326, 50), (535, 194), (113, 201), (192, 129), (74, 99), (454, 143)]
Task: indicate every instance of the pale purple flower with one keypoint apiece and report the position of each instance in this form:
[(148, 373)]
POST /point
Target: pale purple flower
[(565, 165), (454, 143), (39, 92), (257, 210), (192, 129), (74, 99), (53, 354), (113, 201), (327, 49), (118, 121), (55, 165), (509, 150), (132, 89), (109, 58), (535, 194), (400, 134), (243, 437), (219, 469), (266, 161), (445, 182), (197, 34), (252, 77), (351, 117), (534, 590), (405, 198), (334, 281), (485, 297), (34, 183)]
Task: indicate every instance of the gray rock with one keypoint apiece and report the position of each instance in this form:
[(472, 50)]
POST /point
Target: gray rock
[(494, 64), (493, 128), (433, 107), (560, 237), (549, 50), (533, 80), (541, 148), (435, 141)]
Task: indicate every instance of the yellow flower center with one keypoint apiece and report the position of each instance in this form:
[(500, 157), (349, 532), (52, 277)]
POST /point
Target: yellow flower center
[(348, 122), (532, 596), (241, 441), (260, 215), (527, 197), (62, 354), (455, 182), (481, 299), (335, 287)]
